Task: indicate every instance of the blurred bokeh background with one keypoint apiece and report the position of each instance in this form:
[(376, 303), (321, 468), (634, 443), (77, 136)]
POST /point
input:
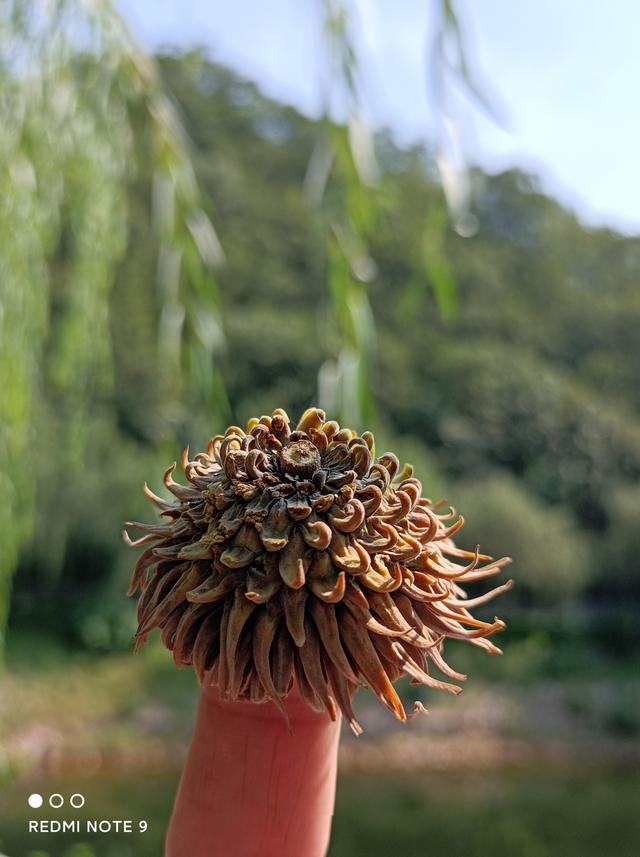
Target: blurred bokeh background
[(422, 216)]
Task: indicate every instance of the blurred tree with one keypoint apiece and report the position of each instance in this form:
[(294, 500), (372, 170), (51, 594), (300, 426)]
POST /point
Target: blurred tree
[(619, 551), (505, 384), (72, 79), (343, 183), (93, 118), (553, 562)]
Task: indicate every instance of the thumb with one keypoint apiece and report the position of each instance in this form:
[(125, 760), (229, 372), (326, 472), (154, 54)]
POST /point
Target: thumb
[(250, 787)]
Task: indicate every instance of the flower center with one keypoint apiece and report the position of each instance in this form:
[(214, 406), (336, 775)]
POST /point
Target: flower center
[(300, 458)]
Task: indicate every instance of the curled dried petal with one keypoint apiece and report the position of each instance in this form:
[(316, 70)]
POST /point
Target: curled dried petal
[(312, 418), (293, 602), (342, 691), (349, 518), (260, 587), (294, 561), (310, 657), (316, 534), (357, 640), (325, 621), (207, 644), (241, 611), (214, 588), (264, 631), (274, 529), (348, 554)]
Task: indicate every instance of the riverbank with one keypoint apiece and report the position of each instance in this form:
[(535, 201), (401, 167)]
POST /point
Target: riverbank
[(61, 714)]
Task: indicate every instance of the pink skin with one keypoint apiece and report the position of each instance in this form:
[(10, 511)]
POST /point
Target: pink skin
[(251, 789)]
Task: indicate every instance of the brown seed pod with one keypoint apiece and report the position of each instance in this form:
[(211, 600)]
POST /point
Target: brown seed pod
[(297, 555)]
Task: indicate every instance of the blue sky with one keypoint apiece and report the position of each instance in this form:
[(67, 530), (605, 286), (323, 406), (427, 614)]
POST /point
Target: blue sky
[(566, 75)]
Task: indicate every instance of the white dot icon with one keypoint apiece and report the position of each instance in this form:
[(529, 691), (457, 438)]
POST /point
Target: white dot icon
[(76, 801), (56, 800), (35, 801)]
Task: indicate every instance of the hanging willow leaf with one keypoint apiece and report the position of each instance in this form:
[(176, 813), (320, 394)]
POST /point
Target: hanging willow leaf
[(82, 112), (342, 183), (344, 163)]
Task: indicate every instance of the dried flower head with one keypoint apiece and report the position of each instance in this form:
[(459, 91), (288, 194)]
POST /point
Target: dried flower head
[(299, 555)]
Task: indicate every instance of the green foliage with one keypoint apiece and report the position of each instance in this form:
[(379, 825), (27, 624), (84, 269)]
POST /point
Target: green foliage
[(341, 182), (619, 549), (517, 381), (551, 556), (523, 382), (76, 560), (500, 403), (97, 136), (533, 816), (82, 109)]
